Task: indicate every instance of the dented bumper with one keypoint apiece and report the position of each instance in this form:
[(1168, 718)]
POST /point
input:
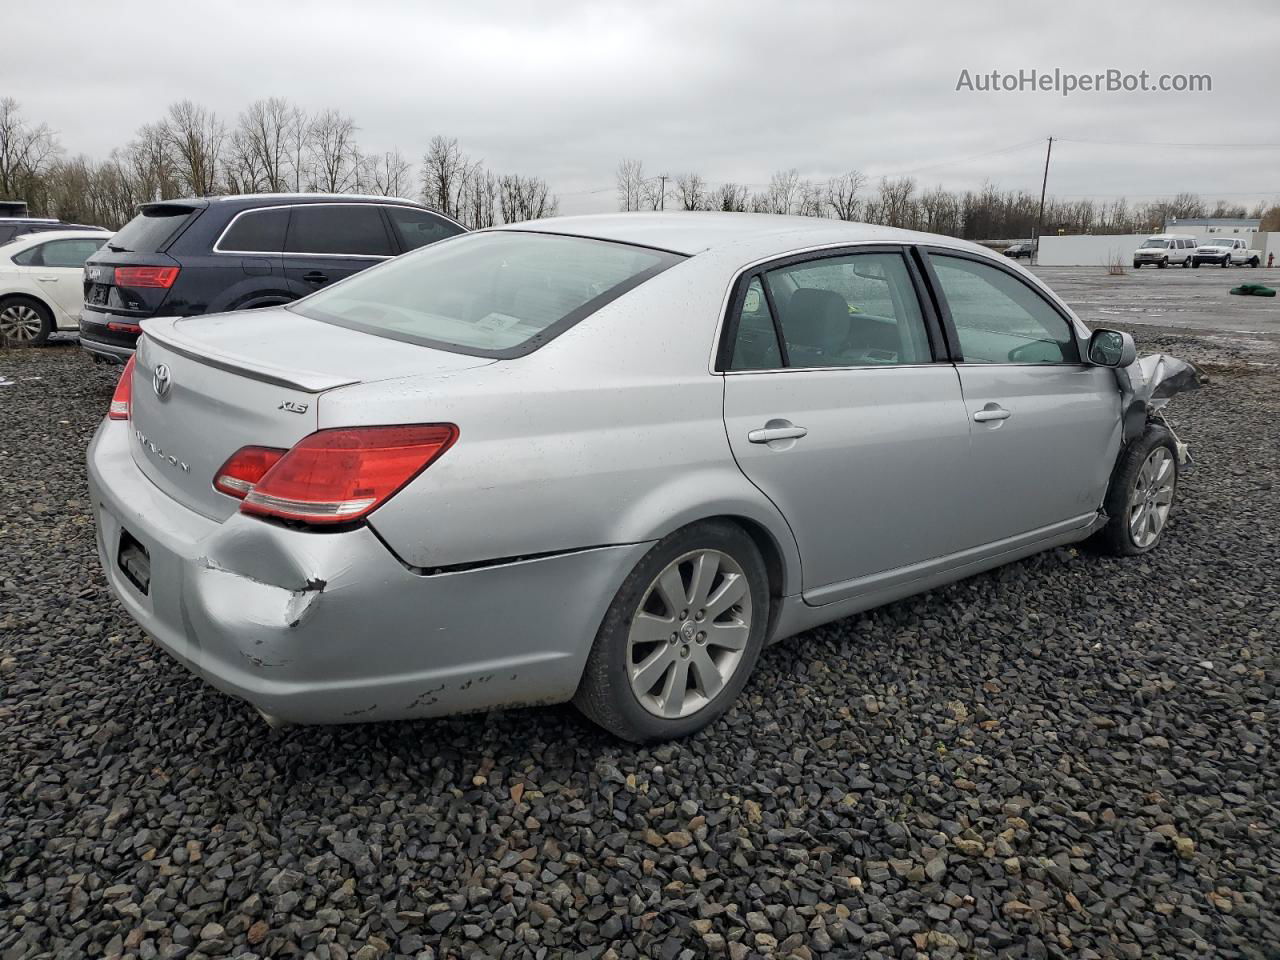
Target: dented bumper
[(332, 627)]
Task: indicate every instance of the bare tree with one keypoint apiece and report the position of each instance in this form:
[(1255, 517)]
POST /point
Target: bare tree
[(630, 181), (481, 200), (195, 136), (783, 192), (811, 200), (388, 174), (525, 198), (262, 143), (897, 204), (445, 172), (731, 198), (335, 158), (691, 192), (842, 194), (26, 151)]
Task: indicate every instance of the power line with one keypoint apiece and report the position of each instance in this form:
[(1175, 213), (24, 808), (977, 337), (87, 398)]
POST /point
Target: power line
[(954, 161), (1156, 143)]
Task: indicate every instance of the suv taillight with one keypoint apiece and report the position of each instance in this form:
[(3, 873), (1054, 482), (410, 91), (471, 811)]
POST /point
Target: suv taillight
[(119, 409), (341, 475), (161, 277)]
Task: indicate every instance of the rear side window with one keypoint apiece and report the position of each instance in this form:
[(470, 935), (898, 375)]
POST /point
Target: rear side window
[(152, 229), (7, 234), (256, 231), (66, 253), (494, 294), (354, 230), (851, 311), (999, 319), (417, 228)]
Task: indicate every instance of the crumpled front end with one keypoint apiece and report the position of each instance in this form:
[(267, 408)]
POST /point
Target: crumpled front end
[(1148, 384)]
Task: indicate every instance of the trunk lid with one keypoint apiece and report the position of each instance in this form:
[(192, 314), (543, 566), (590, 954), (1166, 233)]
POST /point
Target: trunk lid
[(249, 378)]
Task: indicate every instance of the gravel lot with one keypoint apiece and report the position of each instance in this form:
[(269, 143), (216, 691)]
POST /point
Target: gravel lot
[(1072, 756)]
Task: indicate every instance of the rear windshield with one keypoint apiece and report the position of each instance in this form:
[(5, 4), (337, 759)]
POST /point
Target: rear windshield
[(150, 230), (493, 294)]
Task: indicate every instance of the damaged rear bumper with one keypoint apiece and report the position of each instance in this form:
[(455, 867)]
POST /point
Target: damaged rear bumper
[(331, 627)]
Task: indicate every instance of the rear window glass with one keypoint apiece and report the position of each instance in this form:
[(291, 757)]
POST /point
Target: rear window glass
[(341, 229), (489, 294), (256, 231), (152, 229), (417, 228)]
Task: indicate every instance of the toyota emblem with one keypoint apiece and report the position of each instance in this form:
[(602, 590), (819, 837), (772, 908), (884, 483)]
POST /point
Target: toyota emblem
[(161, 380)]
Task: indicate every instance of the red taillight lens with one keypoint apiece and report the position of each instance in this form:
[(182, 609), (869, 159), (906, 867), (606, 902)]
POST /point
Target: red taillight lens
[(146, 276), (124, 390), (337, 476), (115, 327), (244, 469)]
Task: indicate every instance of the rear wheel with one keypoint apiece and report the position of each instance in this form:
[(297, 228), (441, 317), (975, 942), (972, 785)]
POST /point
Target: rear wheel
[(1253, 262), (1186, 262), (1142, 493), (1137, 265), (680, 638), (24, 322), (1195, 264)]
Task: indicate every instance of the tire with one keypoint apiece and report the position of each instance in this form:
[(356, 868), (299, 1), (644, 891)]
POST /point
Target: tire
[(1196, 264), (1137, 266), (25, 321), (1253, 262), (1141, 476), (1226, 261), (607, 692), (1186, 263), (1163, 263)]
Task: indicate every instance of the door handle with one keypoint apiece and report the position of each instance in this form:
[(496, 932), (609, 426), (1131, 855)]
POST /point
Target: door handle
[(47, 279), (768, 434), (315, 276), (992, 411)]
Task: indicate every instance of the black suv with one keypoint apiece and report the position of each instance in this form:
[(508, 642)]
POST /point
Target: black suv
[(208, 255), (11, 227)]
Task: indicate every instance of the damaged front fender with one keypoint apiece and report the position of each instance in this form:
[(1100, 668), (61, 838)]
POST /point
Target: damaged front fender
[(1148, 383)]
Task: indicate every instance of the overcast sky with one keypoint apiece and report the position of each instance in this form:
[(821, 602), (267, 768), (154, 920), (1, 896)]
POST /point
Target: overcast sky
[(734, 91)]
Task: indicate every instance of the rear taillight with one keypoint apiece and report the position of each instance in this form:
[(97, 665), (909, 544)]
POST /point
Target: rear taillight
[(162, 277), (115, 327), (124, 390), (337, 476), (246, 467)]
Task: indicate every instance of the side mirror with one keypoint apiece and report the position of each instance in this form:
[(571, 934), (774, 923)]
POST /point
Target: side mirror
[(1111, 348)]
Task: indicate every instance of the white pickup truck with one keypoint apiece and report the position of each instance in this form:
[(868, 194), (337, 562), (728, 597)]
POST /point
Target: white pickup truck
[(1225, 252)]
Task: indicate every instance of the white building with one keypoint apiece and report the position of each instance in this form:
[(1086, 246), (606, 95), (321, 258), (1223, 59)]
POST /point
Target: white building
[(1203, 226)]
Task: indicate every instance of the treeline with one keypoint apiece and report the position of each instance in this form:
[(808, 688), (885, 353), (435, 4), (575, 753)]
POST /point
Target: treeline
[(273, 146), (984, 214)]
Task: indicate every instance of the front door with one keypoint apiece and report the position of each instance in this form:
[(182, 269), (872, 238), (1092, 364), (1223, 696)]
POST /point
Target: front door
[(837, 411), (1046, 426)]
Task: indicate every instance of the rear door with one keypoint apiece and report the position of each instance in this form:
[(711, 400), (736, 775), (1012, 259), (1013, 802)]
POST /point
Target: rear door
[(1046, 426), (329, 241), (837, 410), (58, 267)]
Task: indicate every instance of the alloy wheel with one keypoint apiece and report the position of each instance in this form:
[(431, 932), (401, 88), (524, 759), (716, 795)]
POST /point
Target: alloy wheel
[(688, 635), (19, 322), (1152, 497)]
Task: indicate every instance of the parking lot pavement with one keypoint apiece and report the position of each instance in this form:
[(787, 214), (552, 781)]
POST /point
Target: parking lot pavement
[(1183, 298), (1070, 756)]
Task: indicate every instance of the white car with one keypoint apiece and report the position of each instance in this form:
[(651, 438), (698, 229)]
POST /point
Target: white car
[(42, 283), (1226, 251), (1162, 249)]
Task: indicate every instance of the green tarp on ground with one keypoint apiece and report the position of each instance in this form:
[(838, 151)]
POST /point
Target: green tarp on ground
[(1253, 290)]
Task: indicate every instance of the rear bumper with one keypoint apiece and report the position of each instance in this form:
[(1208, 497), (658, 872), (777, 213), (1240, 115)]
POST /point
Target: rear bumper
[(101, 341), (331, 627)]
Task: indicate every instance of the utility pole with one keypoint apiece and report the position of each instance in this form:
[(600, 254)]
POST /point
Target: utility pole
[(1040, 217), (662, 196)]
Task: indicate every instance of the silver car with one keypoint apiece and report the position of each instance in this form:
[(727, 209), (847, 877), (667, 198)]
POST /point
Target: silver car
[(607, 459)]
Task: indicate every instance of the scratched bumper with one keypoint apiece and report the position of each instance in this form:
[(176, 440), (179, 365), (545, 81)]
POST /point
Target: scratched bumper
[(331, 627)]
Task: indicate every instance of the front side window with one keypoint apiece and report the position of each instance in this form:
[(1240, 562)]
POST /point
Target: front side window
[(849, 311), (500, 293), (256, 231), (999, 319), (417, 228), (338, 229)]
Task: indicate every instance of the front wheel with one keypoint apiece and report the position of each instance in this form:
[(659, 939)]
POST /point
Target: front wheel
[(1142, 492), (1226, 262), (680, 638), (1163, 264), (1186, 263), (1136, 265)]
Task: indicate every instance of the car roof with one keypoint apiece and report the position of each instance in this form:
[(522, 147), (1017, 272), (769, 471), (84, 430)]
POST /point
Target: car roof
[(44, 236), (688, 232)]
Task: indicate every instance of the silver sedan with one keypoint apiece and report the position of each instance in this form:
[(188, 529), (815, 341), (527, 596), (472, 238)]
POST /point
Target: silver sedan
[(607, 459)]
